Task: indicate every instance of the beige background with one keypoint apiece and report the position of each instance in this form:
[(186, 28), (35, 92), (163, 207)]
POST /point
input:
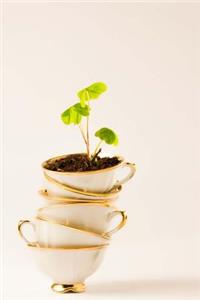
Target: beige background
[(148, 54)]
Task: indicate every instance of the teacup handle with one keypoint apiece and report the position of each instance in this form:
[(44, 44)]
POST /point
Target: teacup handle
[(120, 225), (20, 230), (130, 174)]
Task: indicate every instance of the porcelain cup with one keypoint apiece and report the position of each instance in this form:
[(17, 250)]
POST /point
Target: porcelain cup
[(97, 217), (68, 268), (91, 184), (53, 235)]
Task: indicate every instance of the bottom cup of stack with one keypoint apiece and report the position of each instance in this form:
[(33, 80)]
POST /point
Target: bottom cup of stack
[(68, 267), (67, 255)]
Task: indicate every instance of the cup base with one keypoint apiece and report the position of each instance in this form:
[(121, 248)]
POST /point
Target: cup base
[(68, 288)]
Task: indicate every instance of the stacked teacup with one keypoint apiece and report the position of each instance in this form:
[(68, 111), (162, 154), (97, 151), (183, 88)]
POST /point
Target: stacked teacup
[(74, 228)]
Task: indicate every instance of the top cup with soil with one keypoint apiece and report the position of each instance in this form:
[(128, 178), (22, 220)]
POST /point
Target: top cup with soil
[(74, 176), (86, 174)]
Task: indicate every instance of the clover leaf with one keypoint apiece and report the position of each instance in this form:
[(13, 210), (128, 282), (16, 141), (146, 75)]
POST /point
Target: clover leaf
[(73, 115), (91, 92), (83, 111), (108, 136)]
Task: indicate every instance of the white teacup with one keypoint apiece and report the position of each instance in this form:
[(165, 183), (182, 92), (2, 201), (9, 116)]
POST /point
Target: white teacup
[(88, 184), (68, 268), (87, 216), (53, 235)]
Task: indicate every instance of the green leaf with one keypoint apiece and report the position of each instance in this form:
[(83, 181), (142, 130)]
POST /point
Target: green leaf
[(83, 96), (84, 111), (74, 114), (91, 92), (107, 135), (96, 89), (71, 116)]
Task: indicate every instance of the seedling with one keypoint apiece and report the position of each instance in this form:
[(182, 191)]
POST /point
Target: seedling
[(81, 110)]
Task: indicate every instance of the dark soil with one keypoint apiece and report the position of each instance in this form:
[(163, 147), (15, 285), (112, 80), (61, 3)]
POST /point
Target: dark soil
[(80, 163)]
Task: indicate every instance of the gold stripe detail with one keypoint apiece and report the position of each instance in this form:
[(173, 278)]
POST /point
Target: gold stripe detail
[(96, 247), (66, 200), (80, 191), (103, 204), (73, 228)]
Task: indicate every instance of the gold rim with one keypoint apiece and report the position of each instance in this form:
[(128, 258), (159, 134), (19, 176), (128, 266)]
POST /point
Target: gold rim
[(68, 288), (75, 204), (44, 193), (101, 236), (68, 188), (96, 247), (108, 234), (121, 159)]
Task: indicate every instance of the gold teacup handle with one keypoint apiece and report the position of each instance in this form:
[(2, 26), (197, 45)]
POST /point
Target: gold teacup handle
[(20, 226), (132, 170), (120, 225)]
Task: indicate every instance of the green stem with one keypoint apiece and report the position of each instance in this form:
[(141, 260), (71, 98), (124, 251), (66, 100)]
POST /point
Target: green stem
[(83, 135), (88, 136), (97, 148)]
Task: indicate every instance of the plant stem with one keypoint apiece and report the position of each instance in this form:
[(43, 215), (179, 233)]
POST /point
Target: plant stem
[(88, 136), (96, 154), (83, 135), (97, 148)]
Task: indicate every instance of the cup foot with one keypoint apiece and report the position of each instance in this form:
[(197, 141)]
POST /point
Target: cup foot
[(68, 288)]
